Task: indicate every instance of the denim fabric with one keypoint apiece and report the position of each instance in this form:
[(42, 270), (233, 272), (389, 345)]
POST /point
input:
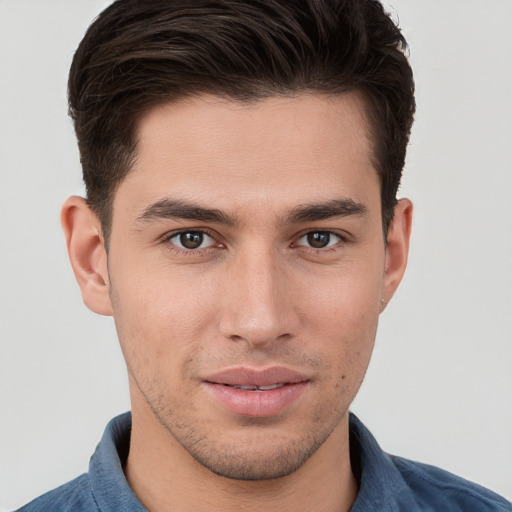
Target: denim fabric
[(387, 483), (104, 488), (393, 484)]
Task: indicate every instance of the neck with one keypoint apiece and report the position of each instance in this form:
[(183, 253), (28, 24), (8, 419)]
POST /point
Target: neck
[(164, 476)]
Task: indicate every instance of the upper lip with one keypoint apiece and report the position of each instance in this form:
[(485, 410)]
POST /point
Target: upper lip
[(243, 376)]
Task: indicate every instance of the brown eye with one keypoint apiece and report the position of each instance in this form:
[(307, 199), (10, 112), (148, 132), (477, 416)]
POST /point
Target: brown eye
[(319, 239), (191, 240)]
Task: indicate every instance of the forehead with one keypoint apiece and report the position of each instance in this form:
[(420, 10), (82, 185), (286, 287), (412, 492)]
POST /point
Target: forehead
[(274, 150)]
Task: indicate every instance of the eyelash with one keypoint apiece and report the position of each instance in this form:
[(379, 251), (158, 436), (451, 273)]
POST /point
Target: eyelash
[(167, 240), (343, 240)]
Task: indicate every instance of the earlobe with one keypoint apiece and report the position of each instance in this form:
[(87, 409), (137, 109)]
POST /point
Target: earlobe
[(87, 253), (397, 249)]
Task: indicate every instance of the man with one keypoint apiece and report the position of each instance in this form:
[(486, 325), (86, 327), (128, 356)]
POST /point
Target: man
[(241, 225)]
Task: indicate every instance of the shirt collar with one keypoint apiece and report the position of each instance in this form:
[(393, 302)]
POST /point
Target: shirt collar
[(381, 485), (109, 485)]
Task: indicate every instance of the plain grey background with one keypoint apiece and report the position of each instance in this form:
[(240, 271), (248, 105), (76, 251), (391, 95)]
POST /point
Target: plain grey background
[(439, 388)]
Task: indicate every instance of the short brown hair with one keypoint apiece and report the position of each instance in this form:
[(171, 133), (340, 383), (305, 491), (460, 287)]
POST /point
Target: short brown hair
[(140, 53)]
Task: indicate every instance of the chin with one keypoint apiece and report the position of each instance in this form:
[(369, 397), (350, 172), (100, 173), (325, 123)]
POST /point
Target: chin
[(260, 457), (248, 467)]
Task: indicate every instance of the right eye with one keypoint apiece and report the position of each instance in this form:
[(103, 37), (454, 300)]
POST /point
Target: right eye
[(319, 239), (191, 240)]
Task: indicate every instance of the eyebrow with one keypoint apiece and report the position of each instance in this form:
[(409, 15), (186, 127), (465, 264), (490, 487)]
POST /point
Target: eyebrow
[(178, 209), (328, 210)]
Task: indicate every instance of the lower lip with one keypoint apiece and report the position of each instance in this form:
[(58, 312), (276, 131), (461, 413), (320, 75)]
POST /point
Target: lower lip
[(257, 403)]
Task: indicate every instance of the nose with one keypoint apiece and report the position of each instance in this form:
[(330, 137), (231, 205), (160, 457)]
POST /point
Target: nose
[(258, 302)]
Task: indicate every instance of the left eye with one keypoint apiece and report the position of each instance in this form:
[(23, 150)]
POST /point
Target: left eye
[(319, 239), (190, 240)]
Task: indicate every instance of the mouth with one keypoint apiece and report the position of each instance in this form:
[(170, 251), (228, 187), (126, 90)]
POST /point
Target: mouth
[(253, 379), (252, 387), (257, 393)]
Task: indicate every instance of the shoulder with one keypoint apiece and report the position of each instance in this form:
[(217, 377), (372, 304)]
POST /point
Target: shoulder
[(437, 489), (75, 496), (391, 483)]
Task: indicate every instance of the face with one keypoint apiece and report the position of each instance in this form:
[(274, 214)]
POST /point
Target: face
[(247, 269)]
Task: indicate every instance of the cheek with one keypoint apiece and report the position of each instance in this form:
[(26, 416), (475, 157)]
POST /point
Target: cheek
[(343, 314), (162, 297), (159, 319), (346, 300)]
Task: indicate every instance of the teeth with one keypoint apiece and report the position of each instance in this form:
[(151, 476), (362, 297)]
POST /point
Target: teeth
[(272, 386), (259, 388)]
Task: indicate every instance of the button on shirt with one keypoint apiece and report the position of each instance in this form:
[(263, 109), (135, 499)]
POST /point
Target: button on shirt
[(386, 483)]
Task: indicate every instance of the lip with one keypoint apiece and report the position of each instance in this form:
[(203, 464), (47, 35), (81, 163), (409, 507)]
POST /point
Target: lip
[(256, 403), (243, 376)]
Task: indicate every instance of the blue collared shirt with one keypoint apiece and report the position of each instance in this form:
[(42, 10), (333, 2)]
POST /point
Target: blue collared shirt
[(386, 483)]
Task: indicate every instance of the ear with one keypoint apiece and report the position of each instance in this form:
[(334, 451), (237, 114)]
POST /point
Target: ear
[(397, 249), (86, 249)]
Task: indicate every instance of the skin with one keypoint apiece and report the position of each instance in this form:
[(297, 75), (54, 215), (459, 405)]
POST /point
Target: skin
[(254, 294)]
